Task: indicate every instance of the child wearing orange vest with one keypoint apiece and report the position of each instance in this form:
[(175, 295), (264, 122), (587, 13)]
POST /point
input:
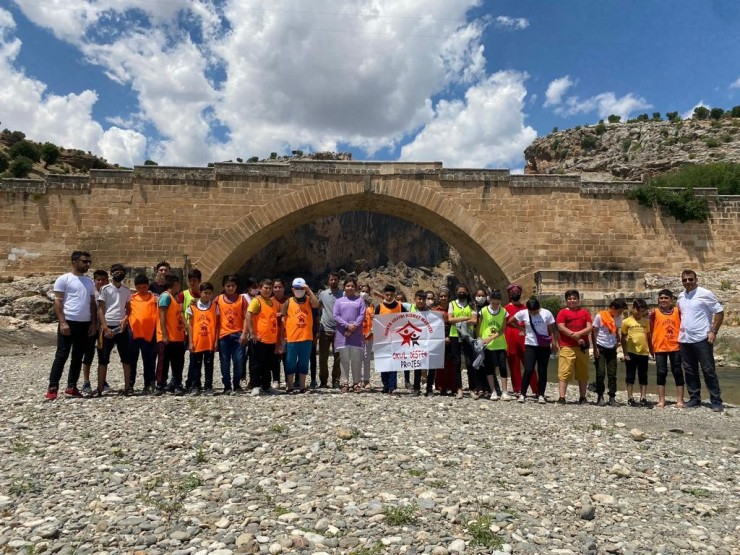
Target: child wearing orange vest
[(296, 331), (231, 339), (201, 318), (261, 327), (665, 321), (170, 339), (143, 325)]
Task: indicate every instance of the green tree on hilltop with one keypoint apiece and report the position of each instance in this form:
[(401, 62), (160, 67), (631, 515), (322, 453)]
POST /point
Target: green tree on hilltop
[(27, 149), (49, 154), (716, 113), (701, 112), (21, 166)]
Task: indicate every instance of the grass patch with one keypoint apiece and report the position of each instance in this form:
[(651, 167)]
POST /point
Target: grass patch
[(376, 549), (190, 483), (480, 530), (699, 492), (418, 472), (400, 516), (439, 484), (19, 446), (280, 511), (20, 487), (277, 429), (117, 452), (200, 455)]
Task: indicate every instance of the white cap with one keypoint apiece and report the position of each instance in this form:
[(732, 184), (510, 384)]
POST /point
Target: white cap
[(299, 283)]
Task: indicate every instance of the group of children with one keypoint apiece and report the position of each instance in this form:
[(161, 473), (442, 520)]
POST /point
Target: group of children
[(161, 321)]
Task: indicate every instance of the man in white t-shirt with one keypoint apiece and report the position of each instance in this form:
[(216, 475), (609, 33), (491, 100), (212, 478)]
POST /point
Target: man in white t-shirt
[(701, 318), (74, 305), (113, 309)]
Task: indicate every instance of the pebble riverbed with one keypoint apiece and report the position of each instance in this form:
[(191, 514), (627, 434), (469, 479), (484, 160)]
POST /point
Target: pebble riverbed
[(357, 473)]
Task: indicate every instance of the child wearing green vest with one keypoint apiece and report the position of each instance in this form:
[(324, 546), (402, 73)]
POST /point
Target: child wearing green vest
[(491, 331)]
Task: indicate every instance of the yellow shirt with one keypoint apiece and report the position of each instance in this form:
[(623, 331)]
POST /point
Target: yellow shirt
[(636, 333)]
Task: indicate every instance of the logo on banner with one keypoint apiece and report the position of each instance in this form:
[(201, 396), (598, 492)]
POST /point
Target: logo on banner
[(410, 335)]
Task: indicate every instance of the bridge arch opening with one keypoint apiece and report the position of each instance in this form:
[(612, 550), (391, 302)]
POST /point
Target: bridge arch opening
[(478, 246)]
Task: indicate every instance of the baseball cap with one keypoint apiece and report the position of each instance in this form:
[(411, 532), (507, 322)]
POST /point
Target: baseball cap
[(514, 286), (298, 283)]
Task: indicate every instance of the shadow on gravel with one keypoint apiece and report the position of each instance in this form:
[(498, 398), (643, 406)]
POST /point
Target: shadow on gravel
[(16, 342)]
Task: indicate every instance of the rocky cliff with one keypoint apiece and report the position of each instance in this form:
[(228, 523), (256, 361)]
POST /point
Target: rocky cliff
[(634, 151)]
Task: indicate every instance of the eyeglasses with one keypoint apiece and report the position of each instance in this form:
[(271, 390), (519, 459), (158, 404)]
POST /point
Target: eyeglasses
[(687, 280)]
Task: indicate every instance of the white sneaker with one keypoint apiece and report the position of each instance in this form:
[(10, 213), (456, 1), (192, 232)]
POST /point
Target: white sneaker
[(506, 397), (256, 392), (276, 385), (494, 396), (541, 400), (522, 398)]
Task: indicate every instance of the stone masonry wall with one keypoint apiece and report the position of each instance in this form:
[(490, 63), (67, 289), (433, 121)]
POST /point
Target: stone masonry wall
[(508, 226)]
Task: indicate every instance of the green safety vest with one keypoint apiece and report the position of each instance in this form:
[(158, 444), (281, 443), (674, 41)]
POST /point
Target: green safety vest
[(458, 312), (493, 322)]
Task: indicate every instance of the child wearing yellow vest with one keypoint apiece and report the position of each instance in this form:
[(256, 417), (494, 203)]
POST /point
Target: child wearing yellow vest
[(636, 348)]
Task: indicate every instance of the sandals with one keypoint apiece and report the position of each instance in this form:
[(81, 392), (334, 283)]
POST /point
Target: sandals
[(345, 388)]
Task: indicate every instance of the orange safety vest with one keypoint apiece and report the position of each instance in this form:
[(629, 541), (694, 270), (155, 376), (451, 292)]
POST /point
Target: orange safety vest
[(203, 328), (144, 316), (367, 323), (665, 331), (385, 310), (265, 323), (298, 321), (232, 315), (174, 322)]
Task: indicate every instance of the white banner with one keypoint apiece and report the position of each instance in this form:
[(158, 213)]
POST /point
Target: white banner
[(408, 341)]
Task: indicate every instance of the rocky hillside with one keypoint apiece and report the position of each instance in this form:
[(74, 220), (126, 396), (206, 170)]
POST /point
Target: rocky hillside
[(634, 151), (70, 160)]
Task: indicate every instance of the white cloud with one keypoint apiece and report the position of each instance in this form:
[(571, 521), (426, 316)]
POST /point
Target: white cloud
[(556, 89), (735, 84), (604, 104), (63, 119), (507, 22), (486, 129), (362, 72)]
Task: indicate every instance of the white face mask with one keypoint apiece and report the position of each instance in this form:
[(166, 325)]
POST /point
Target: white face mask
[(299, 293), (365, 296), (480, 300)]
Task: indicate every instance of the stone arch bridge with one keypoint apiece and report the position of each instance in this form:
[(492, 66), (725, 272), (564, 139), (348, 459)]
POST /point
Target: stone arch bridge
[(549, 229)]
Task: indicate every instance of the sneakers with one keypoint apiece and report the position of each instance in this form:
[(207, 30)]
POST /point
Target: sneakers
[(72, 392), (226, 391), (561, 401), (96, 394), (600, 401), (180, 391), (256, 392), (429, 393), (631, 402), (238, 390), (613, 402), (106, 387), (86, 388), (149, 389), (717, 407), (194, 391), (541, 400), (494, 396), (522, 398), (159, 391), (51, 394), (276, 385), (459, 394), (313, 385), (644, 403), (208, 392), (335, 385), (506, 397), (583, 401), (692, 404), (416, 393), (474, 395)]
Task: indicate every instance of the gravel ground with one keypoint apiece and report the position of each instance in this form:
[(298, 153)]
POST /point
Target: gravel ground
[(357, 473)]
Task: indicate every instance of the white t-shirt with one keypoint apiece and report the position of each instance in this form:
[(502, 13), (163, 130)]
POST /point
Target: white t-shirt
[(78, 291), (115, 299), (697, 308), (540, 321), (201, 306), (604, 338)]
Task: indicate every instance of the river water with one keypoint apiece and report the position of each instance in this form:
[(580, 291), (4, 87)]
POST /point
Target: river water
[(729, 381)]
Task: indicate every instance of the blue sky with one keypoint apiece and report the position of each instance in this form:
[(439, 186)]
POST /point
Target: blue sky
[(467, 82)]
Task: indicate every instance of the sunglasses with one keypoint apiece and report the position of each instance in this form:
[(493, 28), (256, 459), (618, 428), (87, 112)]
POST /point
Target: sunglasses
[(687, 280)]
